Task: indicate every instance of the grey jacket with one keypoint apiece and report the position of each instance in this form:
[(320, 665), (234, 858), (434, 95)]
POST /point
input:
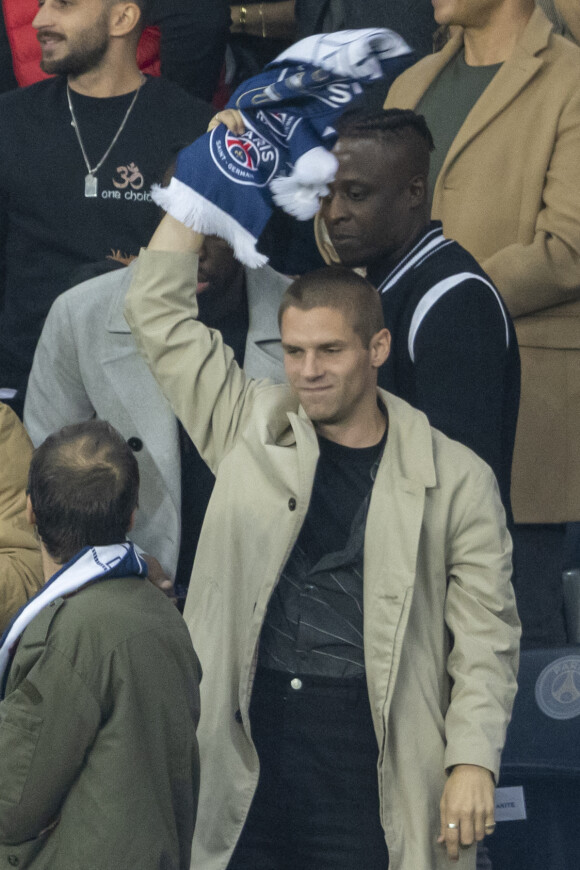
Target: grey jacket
[(87, 365)]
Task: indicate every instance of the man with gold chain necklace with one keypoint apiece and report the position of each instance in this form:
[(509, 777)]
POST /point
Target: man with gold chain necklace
[(78, 155)]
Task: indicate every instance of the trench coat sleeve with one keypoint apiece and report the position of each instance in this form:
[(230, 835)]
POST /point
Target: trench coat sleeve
[(195, 370), (55, 396), (47, 724), (20, 565), (547, 271), (480, 613)]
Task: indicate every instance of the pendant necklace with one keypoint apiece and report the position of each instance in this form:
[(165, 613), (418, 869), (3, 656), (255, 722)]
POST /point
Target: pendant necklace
[(91, 183)]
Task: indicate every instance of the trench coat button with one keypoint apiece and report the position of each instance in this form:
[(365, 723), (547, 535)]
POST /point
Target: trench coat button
[(13, 860), (296, 683), (292, 504), (135, 444), (238, 717)]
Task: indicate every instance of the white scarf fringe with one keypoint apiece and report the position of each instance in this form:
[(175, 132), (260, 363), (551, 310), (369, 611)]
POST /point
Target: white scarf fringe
[(190, 208), (299, 193)]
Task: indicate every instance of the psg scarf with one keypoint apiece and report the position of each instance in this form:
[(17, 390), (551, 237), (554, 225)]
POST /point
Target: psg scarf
[(227, 185), (90, 565)]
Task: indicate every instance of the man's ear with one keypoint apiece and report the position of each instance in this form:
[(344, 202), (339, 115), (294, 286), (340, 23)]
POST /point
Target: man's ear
[(380, 347), (30, 515), (123, 19), (417, 190)]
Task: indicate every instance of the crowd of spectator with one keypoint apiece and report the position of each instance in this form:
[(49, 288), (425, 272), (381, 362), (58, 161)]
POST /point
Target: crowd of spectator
[(226, 419)]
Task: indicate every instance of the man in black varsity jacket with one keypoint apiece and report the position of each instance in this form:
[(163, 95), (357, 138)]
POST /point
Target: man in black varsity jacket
[(454, 353)]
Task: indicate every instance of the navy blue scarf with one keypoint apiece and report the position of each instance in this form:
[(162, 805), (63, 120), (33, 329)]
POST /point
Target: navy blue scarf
[(226, 184)]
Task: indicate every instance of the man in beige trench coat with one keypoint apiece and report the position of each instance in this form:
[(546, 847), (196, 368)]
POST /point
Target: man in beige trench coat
[(347, 710)]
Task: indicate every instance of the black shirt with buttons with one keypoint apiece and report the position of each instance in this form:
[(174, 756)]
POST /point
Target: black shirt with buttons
[(314, 622)]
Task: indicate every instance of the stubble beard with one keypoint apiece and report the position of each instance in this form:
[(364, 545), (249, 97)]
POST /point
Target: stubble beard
[(320, 413), (83, 57)]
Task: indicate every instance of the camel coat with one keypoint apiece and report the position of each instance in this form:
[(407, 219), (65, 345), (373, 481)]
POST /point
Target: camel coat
[(20, 566), (509, 191), (436, 566)]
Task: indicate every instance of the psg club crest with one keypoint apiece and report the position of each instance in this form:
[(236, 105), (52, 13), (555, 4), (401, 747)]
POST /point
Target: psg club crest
[(558, 688), (248, 159)]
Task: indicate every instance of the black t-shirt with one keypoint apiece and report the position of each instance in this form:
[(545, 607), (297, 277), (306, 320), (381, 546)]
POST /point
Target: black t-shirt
[(342, 482), (48, 228), (314, 621)]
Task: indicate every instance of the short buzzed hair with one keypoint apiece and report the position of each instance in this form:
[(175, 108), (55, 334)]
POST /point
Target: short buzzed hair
[(83, 485), (340, 288), (389, 126)]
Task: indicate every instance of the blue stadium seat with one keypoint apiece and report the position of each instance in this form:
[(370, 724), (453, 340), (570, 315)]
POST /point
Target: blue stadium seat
[(542, 754)]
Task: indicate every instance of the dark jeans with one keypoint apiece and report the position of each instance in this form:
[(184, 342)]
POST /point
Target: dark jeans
[(316, 806)]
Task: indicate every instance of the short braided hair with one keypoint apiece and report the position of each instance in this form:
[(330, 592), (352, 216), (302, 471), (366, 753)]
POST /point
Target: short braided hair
[(389, 126)]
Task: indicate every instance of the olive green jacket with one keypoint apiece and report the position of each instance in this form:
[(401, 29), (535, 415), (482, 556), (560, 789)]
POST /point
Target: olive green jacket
[(98, 753)]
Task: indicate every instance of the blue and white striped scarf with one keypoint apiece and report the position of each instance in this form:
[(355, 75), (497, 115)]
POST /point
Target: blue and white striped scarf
[(226, 184), (90, 565)]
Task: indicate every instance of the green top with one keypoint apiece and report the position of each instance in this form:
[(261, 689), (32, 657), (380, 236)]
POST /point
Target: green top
[(447, 103)]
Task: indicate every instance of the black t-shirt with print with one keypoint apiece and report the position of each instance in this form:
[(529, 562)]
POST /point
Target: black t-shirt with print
[(48, 228)]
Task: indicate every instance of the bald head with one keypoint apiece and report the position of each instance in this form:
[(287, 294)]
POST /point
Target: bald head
[(83, 487)]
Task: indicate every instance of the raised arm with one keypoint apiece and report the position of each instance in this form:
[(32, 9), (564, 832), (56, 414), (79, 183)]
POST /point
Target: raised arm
[(194, 368)]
